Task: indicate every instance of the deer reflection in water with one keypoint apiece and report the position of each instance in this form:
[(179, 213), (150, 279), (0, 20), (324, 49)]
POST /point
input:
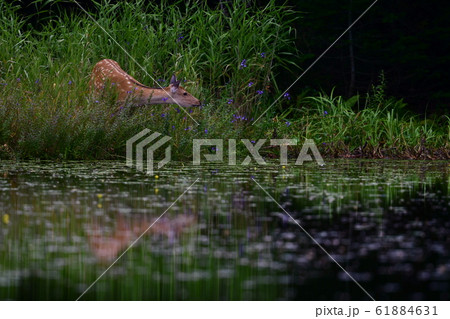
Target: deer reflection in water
[(107, 245)]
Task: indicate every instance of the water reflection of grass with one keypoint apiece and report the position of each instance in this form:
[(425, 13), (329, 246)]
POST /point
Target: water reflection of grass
[(229, 59), (238, 247)]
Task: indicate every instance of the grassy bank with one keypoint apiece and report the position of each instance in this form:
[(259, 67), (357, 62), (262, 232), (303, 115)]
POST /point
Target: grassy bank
[(229, 57)]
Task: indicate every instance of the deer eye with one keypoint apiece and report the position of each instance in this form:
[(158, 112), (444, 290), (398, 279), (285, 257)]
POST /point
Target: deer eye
[(185, 93)]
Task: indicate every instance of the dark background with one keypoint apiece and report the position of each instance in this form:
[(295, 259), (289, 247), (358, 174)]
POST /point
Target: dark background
[(409, 41)]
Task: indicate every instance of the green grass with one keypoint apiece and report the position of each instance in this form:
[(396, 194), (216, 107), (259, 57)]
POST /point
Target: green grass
[(371, 127), (46, 111)]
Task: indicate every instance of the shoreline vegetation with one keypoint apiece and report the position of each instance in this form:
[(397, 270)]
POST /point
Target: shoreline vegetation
[(229, 57)]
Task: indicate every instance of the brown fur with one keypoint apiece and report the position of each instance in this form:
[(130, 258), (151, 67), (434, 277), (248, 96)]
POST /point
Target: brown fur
[(109, 73)]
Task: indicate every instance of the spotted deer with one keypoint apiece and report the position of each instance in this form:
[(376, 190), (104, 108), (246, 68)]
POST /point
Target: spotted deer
[(109, 73)]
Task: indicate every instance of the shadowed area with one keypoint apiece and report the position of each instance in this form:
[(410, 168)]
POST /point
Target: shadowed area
[(385, 222)]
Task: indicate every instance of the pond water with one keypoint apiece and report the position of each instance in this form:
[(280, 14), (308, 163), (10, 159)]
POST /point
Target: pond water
[(359, 230)]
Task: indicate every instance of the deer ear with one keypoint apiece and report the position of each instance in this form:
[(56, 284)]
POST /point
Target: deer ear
[(173, 88), (174, 81), (174, 84)]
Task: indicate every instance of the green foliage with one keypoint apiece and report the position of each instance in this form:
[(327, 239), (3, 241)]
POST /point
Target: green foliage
[(45, 109), (206, 46), (228, 57), (375, 126)]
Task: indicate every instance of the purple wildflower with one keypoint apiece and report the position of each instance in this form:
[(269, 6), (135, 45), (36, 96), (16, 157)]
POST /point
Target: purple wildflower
[(260, 92), (206, 131), (325, 113), (163, 115), (70, 82), (250, 84), (262, 55), (164, 99), (18, 79), (287, 96), (230, 101), (180, 37), (243, 64), (37, 81), (288, 123)]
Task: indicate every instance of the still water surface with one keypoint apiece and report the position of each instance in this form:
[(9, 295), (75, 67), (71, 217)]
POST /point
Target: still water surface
[(385, 222)]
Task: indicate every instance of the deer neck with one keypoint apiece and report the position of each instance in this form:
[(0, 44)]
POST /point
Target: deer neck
[(151, 96)]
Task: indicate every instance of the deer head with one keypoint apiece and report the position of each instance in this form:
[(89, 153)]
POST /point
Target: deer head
[(178, 95)]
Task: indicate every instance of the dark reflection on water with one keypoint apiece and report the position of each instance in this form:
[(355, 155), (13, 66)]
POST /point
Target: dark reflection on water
[(386, 222)]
